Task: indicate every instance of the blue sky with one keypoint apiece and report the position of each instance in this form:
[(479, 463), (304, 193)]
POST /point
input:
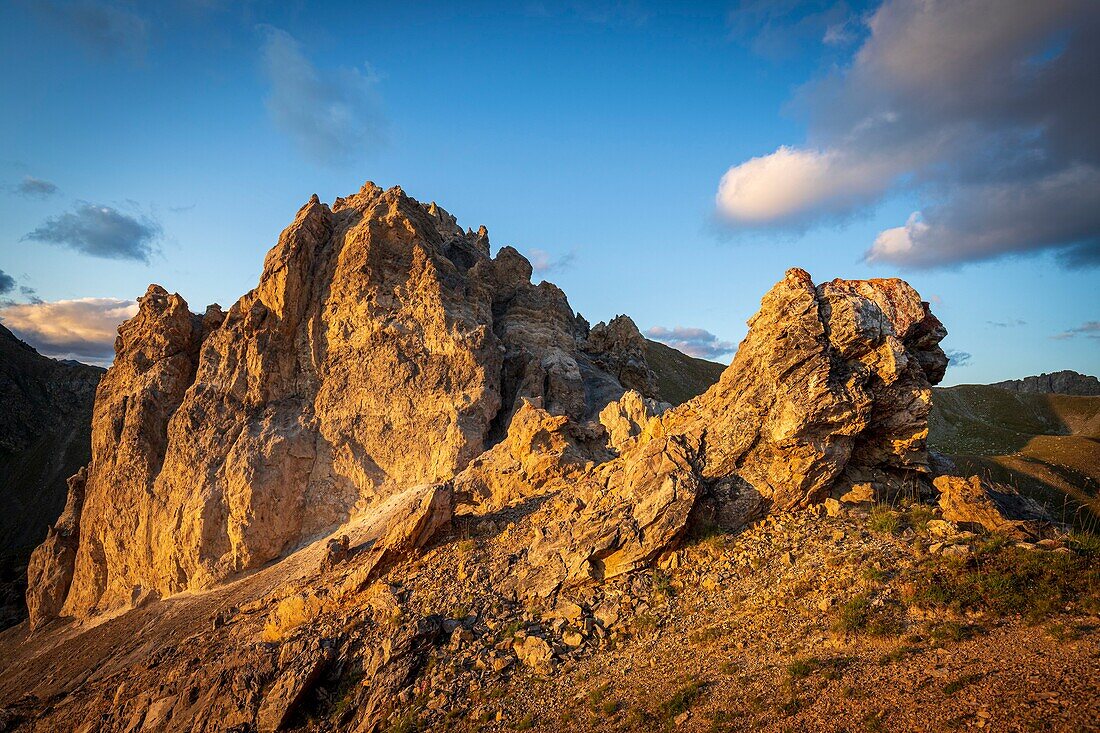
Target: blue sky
[(592, 137)]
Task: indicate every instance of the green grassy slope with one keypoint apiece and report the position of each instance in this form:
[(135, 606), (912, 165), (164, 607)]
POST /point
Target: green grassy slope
[(1046, 445), (679, 376)]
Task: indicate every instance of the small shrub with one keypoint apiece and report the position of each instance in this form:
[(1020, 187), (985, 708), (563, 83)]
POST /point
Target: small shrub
[(662, 584), (897, 655), (682, 699), (954, 686), (406, 723), (861, 615), (950, 631), (708, 634), (1003, 579), (830, 668), (597, 696), (874, 721), (799, 668), (876, 575), (884, 520), (918, 516), (1085, 543)]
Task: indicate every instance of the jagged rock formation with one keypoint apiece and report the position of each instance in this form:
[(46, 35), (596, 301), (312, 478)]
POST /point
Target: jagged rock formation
[(831, 385), (44, 439), (435, 470), (382, 348), (618, 348), (1063, 382)]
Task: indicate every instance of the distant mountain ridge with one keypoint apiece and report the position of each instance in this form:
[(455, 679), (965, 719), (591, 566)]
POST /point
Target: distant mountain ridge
[(45, 436), (1066, 381)]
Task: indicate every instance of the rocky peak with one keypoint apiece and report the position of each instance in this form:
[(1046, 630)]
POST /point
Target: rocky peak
[(1063, 382), (619, 348), (384, 348), (221, 442)]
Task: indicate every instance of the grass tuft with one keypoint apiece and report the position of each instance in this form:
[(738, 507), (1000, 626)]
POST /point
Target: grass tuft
[(884, 520)]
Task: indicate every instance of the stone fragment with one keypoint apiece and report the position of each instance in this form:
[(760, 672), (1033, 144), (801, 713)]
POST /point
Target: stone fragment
[(533, 651), (295, 680), (975, 501)]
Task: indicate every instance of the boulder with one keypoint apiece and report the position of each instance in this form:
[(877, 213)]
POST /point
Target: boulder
[(630, 416), (994, 507)]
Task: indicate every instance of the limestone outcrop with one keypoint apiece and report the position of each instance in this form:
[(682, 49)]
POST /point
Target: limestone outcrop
[(382, 348), (832, 383), (392, 414), (50, 569)]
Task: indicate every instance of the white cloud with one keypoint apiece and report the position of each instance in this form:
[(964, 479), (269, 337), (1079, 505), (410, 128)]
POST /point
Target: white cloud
[(82, 329), (982, 109), (542, 262), (334, 116), (791, 186), (697, 342)]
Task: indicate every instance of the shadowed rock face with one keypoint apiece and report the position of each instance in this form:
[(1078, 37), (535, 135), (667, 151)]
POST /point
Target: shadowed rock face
[(44, 438), (381, 349)]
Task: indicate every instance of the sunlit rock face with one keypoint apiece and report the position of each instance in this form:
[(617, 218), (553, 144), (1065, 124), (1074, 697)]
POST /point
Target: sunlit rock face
[(384, 348), (832, 385)]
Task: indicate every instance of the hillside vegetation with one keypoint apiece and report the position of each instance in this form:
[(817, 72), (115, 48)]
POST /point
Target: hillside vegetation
[(679, 376), (1047, 445)]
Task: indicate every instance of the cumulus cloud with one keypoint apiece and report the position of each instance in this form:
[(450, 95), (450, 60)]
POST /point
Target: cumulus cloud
[(543, 263), (105, 28), (796, 187), (100, 231), (696, 342), (980, 108), (957, 358), (1089, 329), (333, 115), (82, 329), (35, 188), (7, 283)]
